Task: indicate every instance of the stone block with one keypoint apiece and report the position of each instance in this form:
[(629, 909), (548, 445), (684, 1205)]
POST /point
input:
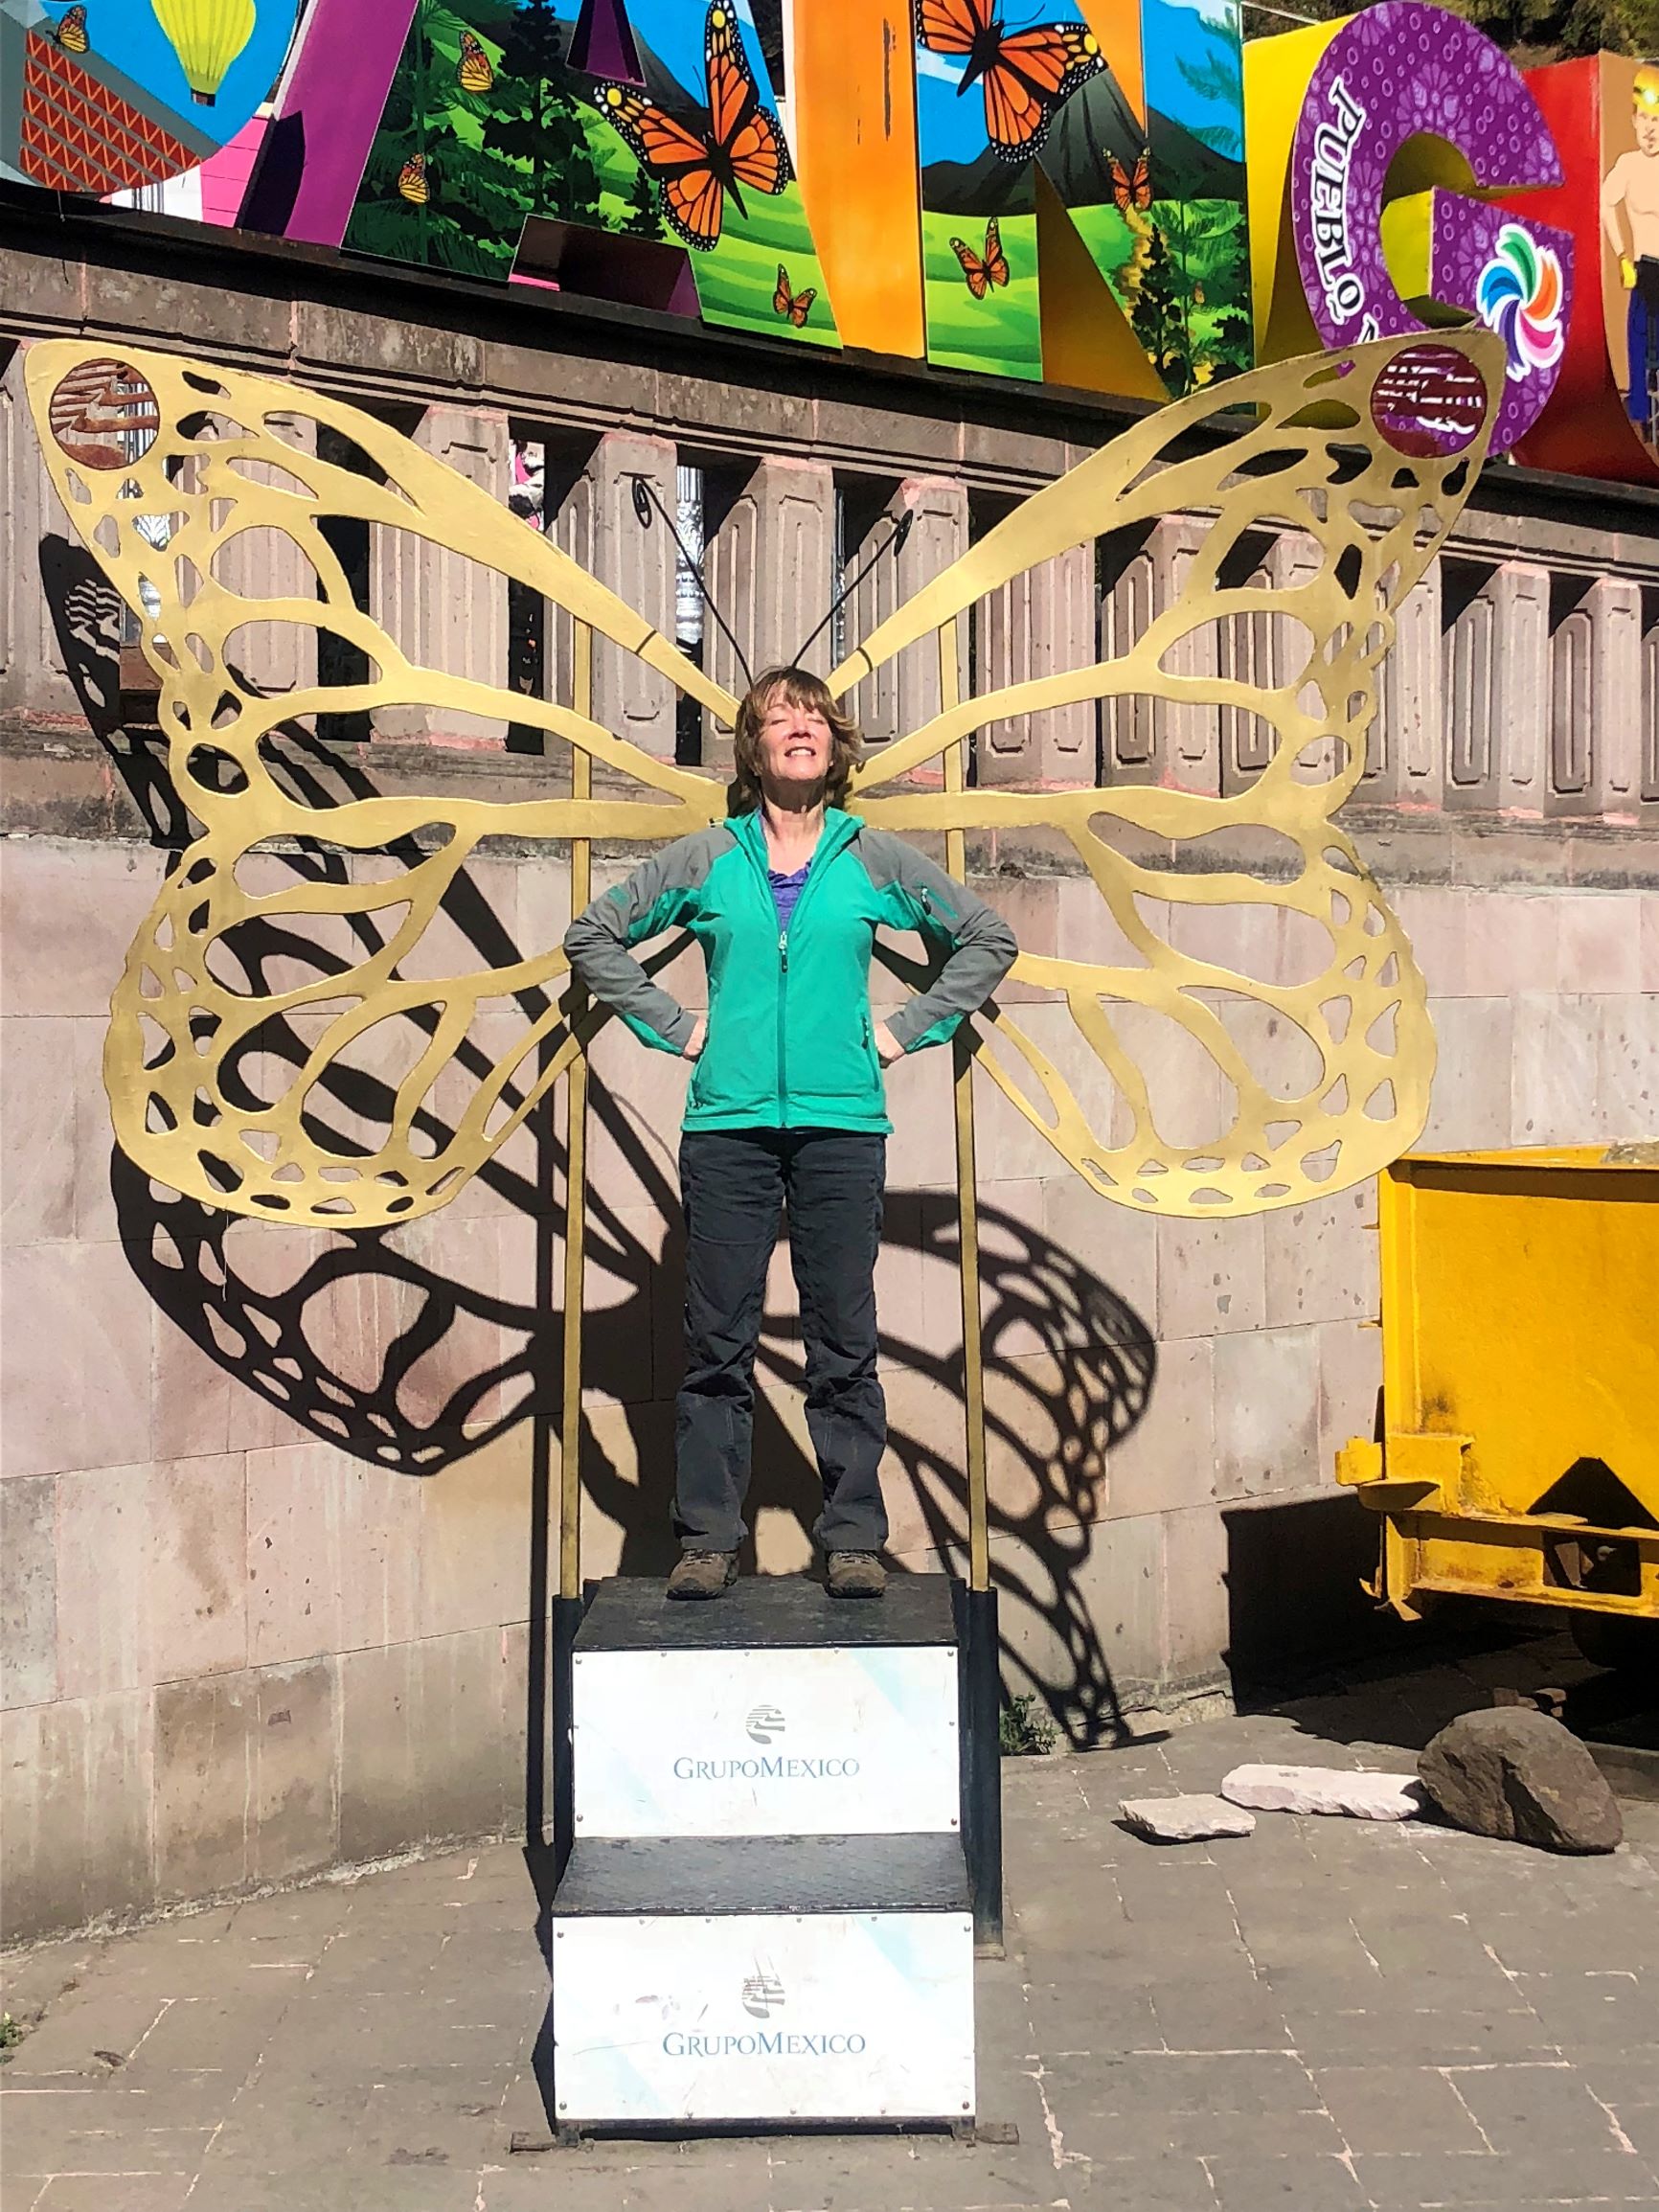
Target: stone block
[(68, 913), (37, 1099), (198, 1568), (1555, 1098), (473, 1544), (193, 1395), (1469, 1104), (1321, 1259), (1601, 941), (1514, 943), (294, 1829), (1210, 1277), (28, 1590), (1325, 1790), (1197, 1604), (204, 1760), (1404, 758), (1349, 1381), (75, 1840), (1164, 1453), (74, 1359), (1627, 1065), (380, 1753), (1112, 1253), (1194, 1819), (104, 1581), (333, 1559), (470, 1767), (1266, 1412), (1436, 919), (769, 562)]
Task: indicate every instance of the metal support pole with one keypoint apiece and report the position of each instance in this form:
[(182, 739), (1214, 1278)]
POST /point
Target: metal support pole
[(966, 1185), (575, 1162)]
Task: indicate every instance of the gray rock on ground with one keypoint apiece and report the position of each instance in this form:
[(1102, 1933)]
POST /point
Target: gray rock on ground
[(1518, 1774), (1193, 1820), (1332, 1790)]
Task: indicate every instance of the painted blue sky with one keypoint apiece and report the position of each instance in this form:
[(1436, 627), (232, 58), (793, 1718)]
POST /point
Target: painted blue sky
[(1197, 31), (951, 123), (128, 35)]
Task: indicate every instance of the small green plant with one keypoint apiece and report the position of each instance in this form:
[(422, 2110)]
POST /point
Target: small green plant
[(11, 2035), (1024, 1729)]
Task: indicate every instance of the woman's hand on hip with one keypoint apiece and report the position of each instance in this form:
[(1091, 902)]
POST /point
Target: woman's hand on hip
[(887, 1046), (693, 1045)]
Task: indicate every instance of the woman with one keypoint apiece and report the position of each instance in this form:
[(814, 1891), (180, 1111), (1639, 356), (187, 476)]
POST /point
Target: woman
[(787, 1105)]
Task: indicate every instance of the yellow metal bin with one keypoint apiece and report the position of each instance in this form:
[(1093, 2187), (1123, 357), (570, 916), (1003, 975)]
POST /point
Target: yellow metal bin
[(1520, 1350)]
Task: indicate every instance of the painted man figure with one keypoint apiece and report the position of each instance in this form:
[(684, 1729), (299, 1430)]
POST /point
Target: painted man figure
[(1631, 219)]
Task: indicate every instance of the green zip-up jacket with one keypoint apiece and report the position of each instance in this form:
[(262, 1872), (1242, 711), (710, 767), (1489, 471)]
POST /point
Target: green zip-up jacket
[(791, 1040)]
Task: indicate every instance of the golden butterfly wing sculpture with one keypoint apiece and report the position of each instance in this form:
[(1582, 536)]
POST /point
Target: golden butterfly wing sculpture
[(247, 996)]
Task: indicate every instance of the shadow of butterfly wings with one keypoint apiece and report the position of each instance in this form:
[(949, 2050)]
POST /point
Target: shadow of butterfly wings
[(1260, 1034)]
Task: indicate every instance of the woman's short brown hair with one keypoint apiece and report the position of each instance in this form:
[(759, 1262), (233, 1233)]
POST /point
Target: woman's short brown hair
[(801, 690)]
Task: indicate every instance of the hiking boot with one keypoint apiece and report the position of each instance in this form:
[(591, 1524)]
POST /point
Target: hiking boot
[(856, 1575), (704, 1574)]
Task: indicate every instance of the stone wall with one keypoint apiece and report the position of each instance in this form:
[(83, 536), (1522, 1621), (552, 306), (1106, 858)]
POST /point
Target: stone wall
[(273, 1500)]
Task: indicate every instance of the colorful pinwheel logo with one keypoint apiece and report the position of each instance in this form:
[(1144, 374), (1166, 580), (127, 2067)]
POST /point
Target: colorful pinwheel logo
[(1520, 295)]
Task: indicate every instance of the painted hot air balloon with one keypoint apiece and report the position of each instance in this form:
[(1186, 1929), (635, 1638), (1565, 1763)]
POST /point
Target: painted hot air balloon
[(207, 36)]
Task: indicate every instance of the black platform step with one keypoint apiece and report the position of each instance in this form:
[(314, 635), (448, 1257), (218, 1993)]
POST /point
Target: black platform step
[(630, 1614), (671, 1877)]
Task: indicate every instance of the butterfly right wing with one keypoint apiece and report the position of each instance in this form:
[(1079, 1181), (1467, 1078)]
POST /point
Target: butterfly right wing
[(973, 268), (951, 25), (1034, 74), (995, 260)]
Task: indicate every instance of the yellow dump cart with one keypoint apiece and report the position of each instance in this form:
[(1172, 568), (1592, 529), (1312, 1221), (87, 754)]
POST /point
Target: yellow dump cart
[(1519, 1456)]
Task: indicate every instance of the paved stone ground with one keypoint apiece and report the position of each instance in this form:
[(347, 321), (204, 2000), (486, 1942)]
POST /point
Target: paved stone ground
[(1323, 2016)]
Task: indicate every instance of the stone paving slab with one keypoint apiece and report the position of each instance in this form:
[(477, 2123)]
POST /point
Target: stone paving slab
[(1325, 2014)]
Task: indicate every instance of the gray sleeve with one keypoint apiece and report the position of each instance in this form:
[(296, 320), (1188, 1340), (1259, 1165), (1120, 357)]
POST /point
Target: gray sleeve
[(659, 893), (982, 947)]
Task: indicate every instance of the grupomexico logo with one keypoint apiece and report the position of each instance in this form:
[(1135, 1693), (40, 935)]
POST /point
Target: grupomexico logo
[(762, 1994), (764, 1724)]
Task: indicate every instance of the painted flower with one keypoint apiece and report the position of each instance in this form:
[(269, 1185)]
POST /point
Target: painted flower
[(1520, 295)]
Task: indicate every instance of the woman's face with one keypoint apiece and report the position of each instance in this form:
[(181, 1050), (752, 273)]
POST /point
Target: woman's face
[(795, 746)]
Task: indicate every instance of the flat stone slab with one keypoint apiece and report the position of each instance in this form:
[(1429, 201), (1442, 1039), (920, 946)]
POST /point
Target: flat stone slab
[(1331, 1791), (1185, 1819)]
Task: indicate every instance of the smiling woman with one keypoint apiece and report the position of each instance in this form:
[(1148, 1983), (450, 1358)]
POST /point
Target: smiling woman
[(787, 1105)]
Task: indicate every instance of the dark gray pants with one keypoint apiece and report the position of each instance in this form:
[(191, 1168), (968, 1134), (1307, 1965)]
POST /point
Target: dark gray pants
[(733, 1185)]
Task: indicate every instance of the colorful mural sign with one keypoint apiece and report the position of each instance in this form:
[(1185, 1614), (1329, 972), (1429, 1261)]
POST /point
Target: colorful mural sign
[(1128, 200), (103, 95), (1405, 72), (489, 126)]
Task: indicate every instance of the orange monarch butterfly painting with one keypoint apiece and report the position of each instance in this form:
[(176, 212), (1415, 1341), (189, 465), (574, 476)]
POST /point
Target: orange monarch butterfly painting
[(796, 305), (1131, 187), (736, 142), (476, 70), (411, 180), (983, 270), (70, 32), (1027, 74)]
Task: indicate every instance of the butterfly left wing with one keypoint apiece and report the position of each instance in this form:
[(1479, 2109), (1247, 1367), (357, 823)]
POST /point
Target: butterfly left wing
[(995, 260), (951, 25), (674, 157), (1034, 74), (302, 1032), (744, 131), (973, 268)]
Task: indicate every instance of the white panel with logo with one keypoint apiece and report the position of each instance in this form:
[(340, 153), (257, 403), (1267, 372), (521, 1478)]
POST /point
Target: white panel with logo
[(828, 2016), (847, 1741)]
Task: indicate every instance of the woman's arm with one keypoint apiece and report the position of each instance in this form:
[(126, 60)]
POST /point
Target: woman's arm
[(598, 943), (982, 947)]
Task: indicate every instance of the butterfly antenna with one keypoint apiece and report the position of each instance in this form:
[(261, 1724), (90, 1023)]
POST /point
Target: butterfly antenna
[(894, 543), (644, 498)]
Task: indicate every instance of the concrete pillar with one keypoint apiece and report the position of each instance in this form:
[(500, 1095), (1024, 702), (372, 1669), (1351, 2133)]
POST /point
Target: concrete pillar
[(1497, 691), (1596, 702), (770, 565), (444, 611), (1186, 738), (903, 695), (265, 563), (1127, 735), (1649, 725), (597, 526), (46, 566), (1040, 623), (1404, 757), (1248, 651)]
